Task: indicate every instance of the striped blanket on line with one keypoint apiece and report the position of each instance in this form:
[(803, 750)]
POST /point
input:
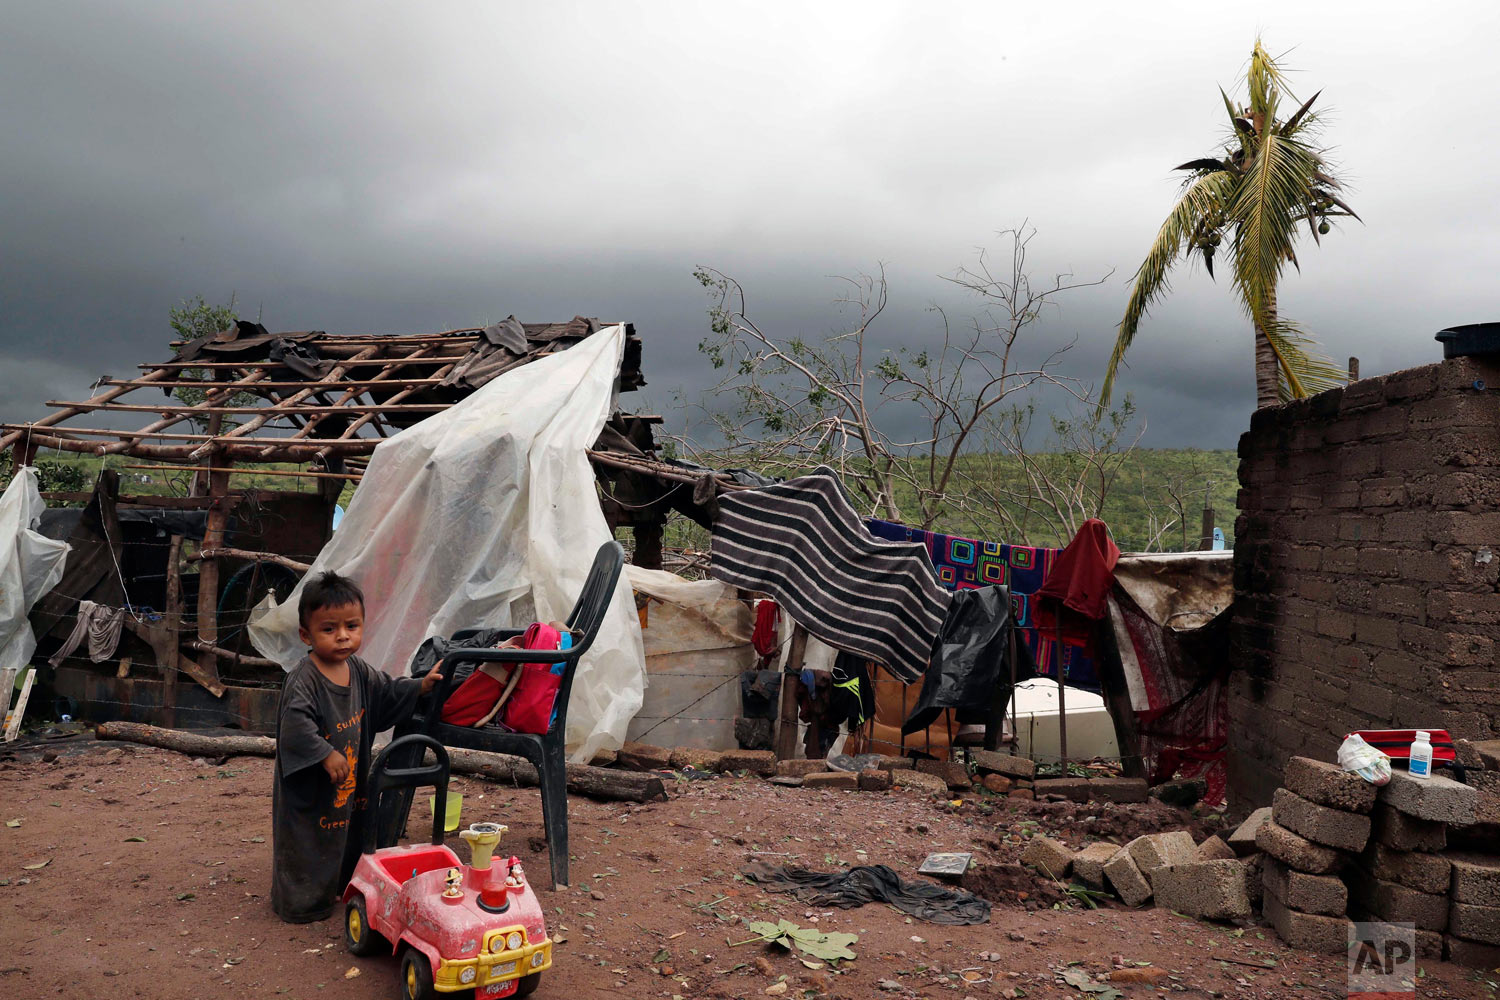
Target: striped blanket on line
[(802, 542)]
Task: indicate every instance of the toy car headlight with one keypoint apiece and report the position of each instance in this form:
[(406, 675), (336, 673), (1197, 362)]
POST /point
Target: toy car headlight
[(538, 959), (514, 941), (467, 976)]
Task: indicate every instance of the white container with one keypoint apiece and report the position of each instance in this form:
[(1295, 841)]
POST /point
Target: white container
[(1421, 756)]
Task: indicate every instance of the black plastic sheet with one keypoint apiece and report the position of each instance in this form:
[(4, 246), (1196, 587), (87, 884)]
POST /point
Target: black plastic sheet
[(964, 670)]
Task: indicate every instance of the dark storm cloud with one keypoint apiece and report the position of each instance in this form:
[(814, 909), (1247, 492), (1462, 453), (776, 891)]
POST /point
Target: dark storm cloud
[(382, 168)]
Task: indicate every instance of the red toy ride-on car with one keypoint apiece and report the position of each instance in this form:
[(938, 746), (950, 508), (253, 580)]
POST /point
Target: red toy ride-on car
[(456, 927)]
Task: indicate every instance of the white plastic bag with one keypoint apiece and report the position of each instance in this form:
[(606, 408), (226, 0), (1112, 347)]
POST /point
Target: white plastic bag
[(30, 566), (1369, 763)]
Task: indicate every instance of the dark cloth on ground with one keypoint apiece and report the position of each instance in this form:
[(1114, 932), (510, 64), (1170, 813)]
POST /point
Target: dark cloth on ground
[(316, 825), (873, 884), (969, 659), (802, 542)]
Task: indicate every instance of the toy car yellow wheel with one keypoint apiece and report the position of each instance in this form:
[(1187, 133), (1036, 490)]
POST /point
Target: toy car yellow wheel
[(528, 985), (359, 937), (416, 977)]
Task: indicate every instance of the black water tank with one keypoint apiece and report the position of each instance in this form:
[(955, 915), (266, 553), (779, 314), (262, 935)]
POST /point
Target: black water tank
[(1472, 339)]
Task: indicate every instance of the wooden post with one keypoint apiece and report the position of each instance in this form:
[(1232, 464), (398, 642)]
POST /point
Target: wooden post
[(791, 674), (1206, 536), (208, 569), (648, 543), (1117, 698), (174, 618)]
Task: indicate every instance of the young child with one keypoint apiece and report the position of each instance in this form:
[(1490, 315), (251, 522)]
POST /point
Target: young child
[(332, 705)]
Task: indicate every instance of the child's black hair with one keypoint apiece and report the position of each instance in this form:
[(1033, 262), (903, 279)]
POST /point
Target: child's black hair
[(328, 591)]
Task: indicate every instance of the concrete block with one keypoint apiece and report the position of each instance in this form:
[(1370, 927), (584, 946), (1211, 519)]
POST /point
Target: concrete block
[(1214, 849), (1397, 903), (951, 771), (1088, 864), (1436, 799), (917, 781), (1050, 858), (1328, 785), (1476, 923), (1325, 894), (837, 780), (1413, 869), (1127, 880), (800, 768), (990, 762), (1076, 789), (1119, 789), (699, 760), (1157, 850), (997, 783), (1208, 890), (1429, 943), (1255, 866), (1331, 827), (1328, 935), (1488, 752), (645, 757), (896, 764), (1243, 838), (1473, 954), (1476, 878), (1401, 832), (873, 779), (761, 762), (1297, 852)]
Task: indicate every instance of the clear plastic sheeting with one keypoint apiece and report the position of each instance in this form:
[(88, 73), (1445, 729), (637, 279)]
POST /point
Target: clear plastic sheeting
[(486, 515), (30, 566)]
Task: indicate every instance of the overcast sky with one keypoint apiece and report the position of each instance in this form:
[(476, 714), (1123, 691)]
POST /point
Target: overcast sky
[(359, 167)]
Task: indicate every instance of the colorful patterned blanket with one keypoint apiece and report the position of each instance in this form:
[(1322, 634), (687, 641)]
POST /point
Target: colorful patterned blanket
[(966, 563)]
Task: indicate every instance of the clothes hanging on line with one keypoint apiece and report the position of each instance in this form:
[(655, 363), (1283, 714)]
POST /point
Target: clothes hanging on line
[(966, 563), (873, 884), (97, 623), (969, 658), (803, 543)]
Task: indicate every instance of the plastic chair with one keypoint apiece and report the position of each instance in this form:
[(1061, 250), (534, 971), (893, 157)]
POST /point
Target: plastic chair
[(545, 751)]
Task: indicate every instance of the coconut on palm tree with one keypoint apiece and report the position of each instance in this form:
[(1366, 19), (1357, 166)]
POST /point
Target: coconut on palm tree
[(1270, 180)]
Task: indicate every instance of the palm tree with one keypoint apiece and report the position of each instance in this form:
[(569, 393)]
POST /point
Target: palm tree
[(1270, 178)]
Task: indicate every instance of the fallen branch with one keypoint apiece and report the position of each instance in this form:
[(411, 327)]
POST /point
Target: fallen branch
[(597, 782)]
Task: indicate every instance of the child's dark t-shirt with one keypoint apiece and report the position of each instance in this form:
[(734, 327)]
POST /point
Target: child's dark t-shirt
[(315, 826)]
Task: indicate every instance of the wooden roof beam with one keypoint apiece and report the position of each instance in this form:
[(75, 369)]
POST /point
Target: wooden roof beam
[(55, 418)]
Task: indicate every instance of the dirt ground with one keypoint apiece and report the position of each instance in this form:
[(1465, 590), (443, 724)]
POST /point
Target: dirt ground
[(156, 873)]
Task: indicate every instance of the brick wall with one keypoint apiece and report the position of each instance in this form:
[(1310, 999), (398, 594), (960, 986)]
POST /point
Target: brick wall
[(1366, 563)]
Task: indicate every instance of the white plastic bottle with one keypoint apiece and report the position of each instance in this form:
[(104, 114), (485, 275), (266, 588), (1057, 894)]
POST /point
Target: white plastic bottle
[(1421, 756)]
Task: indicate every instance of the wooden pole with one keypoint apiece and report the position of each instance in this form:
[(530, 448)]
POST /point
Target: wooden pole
[(226, 552), (1206, 536), (54, 418), (174, 616), (791, 675)]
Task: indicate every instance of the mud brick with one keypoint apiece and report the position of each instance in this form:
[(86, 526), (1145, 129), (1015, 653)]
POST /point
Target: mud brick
[(951, 771), (1436, 799), (837, 780), (1243, 838), (699, 760), (1020, 793), (1472, 954), (1397, 903), (1295, 851), (800, 768), (1119, 789), (873, 779), (1328, 785), (1157, 850), (896, 764), (1050, 858), (1309, 931), (1320, 824), (1076, 789), (1255, 867), (990, 762), (997, 783), (1405, 833), (1488, 752), (1122, 873), (785, 780), (604, 758), (761, 762), (1476, 878), (1214, 849), (1088, 864), (645, 757), (1429, 943), (1305, 893), (1414, 869), (1208, 890), (916, 780), (1476, 923)]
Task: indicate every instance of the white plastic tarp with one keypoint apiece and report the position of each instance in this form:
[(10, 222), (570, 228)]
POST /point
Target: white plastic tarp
[(30, 566), (485, 515)]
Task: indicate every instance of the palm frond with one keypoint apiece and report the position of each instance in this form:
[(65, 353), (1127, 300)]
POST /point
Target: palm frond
[(1301, 118), (1302, 371), (1207, 195), (1265, 81), (1206, 163)]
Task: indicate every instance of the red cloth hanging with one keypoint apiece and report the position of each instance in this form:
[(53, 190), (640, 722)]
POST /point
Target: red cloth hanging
[(764, 638), (1083, 573)]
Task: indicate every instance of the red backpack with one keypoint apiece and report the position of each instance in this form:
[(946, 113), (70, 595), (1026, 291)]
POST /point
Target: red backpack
[(528, 689)]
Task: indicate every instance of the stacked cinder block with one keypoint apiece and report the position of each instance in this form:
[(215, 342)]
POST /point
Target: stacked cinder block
[(1319, 819)]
